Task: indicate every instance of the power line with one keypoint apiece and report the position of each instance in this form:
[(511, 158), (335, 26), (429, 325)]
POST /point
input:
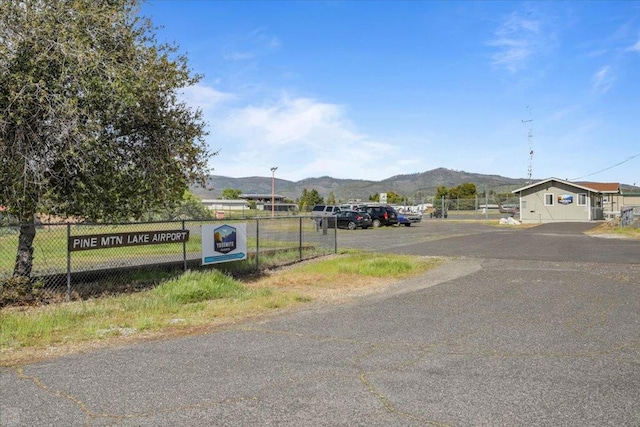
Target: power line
[(606, 169)]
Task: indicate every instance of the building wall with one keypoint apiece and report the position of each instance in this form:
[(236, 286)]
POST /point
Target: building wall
[(621, 200), (613, 203), (226, 205), (534, 206)]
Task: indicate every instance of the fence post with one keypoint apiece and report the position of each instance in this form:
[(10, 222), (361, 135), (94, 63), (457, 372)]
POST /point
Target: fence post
[(300, 234), (68, 263), (184, 251), (335, 235), (257, 243), (475, 214), (486, 204)]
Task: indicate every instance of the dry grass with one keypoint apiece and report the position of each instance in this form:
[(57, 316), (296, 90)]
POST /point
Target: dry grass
[(330, 279), (612, 229)]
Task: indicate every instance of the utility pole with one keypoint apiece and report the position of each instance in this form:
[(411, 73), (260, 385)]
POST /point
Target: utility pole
[(529, 138), (273, 191)]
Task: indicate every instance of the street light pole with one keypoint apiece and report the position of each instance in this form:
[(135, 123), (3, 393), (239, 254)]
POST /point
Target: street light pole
[(273, 190)]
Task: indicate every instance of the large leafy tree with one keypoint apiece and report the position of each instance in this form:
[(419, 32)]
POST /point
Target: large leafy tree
[(309, 199), (91, 124), (231, 193), (190, 207)]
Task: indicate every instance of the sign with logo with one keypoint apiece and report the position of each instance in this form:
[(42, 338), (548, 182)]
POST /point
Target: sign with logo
[(565, 199), (223, 243), (383, 197)]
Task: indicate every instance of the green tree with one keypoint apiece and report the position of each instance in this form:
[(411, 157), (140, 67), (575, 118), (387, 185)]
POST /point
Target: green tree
[(189, 207), (395, 198), (231, 194), (441, 192), (91, 124), (464, 195), (331, 199), (309, 199), (464, 191)]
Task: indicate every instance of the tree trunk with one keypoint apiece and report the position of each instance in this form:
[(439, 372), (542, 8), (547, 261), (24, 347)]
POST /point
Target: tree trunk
[(24, 258)]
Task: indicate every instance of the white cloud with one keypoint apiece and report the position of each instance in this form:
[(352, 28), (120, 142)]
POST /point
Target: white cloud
[(564, 113), (240, 56), (602, 81), (304, 138), (260, 34), (635, 47), (290, 121), (205, 97), (516, 40)]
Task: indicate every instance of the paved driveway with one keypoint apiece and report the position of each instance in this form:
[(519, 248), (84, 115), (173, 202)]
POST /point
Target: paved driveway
[(547, 242), (537, 327)]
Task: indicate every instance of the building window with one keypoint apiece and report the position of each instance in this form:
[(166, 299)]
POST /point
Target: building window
[(524, 205), (548, 199), (582, 199)]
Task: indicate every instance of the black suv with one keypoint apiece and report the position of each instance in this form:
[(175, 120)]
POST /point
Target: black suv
[(381, 214)]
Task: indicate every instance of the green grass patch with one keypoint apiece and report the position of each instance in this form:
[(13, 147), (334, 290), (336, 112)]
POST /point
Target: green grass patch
[(371, 265), (194, 298), (195, 287), (191, 299)]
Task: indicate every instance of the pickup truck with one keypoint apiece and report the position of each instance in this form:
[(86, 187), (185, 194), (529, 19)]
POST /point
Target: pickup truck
[(322, 211)]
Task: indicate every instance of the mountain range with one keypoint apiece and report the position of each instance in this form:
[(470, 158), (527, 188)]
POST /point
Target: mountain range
[(417, 185)]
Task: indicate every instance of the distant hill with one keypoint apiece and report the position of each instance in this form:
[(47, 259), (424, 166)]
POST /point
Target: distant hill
[(418, 185)]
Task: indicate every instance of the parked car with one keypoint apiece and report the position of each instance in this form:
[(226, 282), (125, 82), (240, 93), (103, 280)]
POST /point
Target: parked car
[(353, 220), (381, 214), (408, 219)]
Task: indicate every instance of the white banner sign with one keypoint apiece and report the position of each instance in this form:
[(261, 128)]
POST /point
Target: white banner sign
[(223, 243)]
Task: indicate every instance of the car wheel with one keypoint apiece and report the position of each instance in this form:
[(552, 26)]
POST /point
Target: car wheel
[(407, 225), (376, 223), (352, 225)]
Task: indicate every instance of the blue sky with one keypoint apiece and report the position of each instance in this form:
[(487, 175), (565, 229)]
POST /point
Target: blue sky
[(372, 89)]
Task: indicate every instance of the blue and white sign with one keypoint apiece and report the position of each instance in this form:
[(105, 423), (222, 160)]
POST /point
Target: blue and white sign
[(223, 243), (565, 199)]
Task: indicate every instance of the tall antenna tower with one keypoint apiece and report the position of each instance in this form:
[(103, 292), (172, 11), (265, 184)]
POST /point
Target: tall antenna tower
[(529, 122)]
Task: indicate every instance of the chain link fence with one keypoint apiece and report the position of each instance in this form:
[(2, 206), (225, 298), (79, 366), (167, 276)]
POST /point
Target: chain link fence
[(478, 208), (79, 260)]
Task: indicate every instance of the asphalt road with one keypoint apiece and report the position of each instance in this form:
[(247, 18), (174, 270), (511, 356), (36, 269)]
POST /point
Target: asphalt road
[(533, 327)]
